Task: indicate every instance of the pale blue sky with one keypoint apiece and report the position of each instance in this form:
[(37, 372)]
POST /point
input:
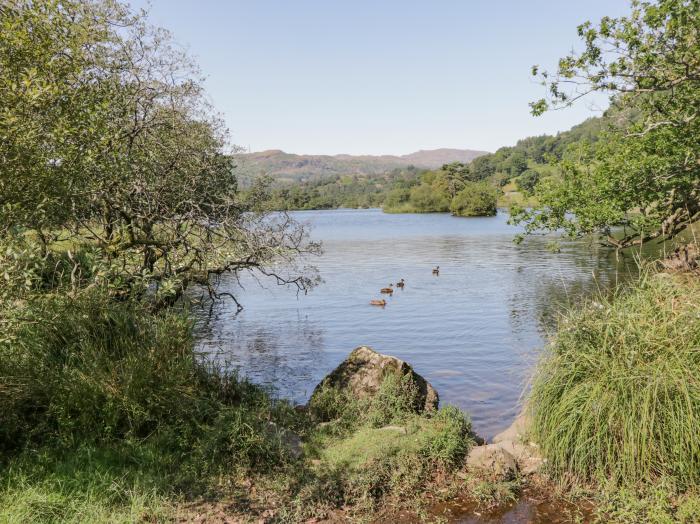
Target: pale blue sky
[(375, 77)]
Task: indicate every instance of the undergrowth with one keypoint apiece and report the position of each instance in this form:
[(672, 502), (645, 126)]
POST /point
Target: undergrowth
[(107, 415)]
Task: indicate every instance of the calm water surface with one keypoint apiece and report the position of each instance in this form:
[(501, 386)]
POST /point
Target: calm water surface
[(474, 331)]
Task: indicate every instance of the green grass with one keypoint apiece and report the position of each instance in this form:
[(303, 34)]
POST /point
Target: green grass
[(616, 399), (106, 412), (90, 484), (107, 415)]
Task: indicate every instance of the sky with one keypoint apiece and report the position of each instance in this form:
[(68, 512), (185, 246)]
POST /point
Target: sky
[(382, 76)]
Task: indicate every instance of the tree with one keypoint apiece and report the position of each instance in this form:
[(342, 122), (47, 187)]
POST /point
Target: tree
[(476, 199), (426, 200), (481, 168), (517, 163), (451, 178), (527, 181), (643, 175), (110, 147)]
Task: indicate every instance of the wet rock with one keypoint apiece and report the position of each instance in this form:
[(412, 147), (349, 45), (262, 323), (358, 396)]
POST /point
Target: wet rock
[(494, 461), (363, 372)]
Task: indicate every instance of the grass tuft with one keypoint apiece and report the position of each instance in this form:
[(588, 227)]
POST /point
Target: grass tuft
[(617, 396)]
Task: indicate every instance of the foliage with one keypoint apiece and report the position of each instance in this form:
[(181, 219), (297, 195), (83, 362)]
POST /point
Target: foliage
[(108, 144), (380, 447), (527, 181), (617, 395), (127, 425), (425, 199), (645, 174), (476, 199), (655, 504), (90, 484), (89, 370), (356, 191)]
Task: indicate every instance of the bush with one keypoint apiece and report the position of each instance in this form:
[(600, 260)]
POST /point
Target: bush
[(90, 370), (476, 199), (617, 396), (399, 460), (381, 447)]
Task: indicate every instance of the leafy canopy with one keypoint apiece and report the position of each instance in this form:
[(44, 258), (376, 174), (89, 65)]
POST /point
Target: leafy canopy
[(109, 147), (643, 175)]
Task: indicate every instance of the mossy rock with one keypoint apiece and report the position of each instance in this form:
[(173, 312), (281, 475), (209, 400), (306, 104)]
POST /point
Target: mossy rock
[(362, 373)]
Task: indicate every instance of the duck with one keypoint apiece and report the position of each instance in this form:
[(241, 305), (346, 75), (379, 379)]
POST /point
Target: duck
[(436, 270), (381, 302), (387, 290), (400, 284)]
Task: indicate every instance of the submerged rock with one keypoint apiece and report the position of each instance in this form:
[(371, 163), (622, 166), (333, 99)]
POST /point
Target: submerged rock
[(363, 372), (516, 431)]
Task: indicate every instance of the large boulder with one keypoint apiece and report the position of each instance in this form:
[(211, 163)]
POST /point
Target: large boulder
[(362, 373)]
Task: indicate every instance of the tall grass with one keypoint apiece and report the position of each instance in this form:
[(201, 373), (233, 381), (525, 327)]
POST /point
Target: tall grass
[(91, 370), (617, 396)]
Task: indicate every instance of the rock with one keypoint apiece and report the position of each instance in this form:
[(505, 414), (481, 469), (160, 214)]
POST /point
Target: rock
[(516, 431), (527, 456), (363, 372), (494, 461), (513, 441)]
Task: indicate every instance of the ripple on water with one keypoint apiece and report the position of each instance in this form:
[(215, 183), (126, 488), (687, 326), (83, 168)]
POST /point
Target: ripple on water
[(473, 331)]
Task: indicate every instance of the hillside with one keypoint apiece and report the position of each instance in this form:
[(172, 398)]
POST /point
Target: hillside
[(514, 170), (291, 167)]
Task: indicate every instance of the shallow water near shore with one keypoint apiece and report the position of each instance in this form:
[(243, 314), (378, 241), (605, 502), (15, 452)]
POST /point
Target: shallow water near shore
[(474, 331)]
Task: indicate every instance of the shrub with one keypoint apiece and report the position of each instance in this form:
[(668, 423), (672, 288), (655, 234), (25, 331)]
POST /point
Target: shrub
[(91, 370), (381, 447), (476, 199), (617, 396)]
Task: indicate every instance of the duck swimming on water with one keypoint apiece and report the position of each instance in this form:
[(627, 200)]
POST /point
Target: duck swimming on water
[(436, 270), (387, 290), (381, 302), (400, 284)]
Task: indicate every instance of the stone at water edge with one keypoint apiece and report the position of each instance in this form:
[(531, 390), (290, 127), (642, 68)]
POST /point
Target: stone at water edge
[(363, 371), (512, 442), (516, 431), (493, 460)]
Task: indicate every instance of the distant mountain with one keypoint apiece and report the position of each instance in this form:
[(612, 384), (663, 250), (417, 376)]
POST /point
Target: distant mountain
[(291, 167), (433, 158)]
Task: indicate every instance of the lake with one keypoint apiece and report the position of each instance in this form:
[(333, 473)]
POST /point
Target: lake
[(474, 331)]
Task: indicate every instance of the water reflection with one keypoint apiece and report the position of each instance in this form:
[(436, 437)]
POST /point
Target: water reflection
[(473, 331)]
